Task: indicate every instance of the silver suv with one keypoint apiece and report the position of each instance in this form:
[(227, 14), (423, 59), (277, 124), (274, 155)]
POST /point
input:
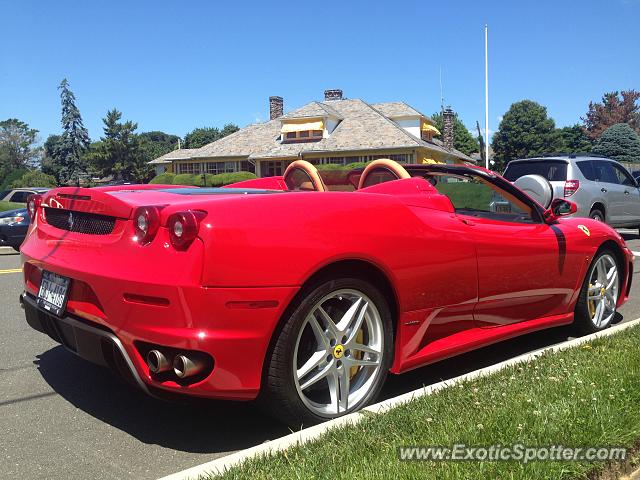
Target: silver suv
[(602, 188)]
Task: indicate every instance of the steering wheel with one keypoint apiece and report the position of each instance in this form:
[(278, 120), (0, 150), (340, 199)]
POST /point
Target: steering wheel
[(303, 176), (382, 170)]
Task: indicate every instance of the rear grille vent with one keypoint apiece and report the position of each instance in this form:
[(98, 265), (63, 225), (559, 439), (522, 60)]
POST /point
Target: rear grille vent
[(80, 222)]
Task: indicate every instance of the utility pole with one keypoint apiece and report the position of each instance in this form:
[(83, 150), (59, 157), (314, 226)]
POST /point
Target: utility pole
[(486, 95)]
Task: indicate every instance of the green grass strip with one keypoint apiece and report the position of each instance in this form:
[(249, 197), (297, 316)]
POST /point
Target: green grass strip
[(4, 206), (584, 396)]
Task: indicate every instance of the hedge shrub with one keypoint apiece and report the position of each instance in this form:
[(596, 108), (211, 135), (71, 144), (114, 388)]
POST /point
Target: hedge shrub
[(164, 178), (187, 179), (196, 180)]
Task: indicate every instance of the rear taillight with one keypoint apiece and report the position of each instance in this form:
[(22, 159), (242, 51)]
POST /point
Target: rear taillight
[(33, 203), (183, 228), (571, 187), (146, 221)]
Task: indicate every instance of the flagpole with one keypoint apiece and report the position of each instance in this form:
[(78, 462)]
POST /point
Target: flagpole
[(486, 95)]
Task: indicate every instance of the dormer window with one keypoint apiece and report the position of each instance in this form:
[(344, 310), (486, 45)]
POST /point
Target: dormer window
[(307, 131), (427, 131)]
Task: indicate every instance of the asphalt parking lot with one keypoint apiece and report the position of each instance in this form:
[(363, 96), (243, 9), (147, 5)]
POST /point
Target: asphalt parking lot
[(62, 417)]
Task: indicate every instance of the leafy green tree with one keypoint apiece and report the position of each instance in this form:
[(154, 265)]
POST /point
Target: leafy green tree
[(18, 146), (619, 142), (74, 140), (35, 178), (119, 153), (525, 131), (574, 139), (155, 144), (616, 107), (463, 140), (200, 137)]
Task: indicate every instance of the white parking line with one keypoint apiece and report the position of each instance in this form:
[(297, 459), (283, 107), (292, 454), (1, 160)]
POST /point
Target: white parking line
[(219, 465)]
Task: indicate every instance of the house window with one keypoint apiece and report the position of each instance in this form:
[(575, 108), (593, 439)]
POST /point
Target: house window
[(189, 167), (215, 168), (303, 136), (271, 169), (427, 136), (246, 166)]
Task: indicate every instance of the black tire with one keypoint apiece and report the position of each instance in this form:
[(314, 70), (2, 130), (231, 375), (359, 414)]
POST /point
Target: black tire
[(582, 322), (279, 396), (596, 214)]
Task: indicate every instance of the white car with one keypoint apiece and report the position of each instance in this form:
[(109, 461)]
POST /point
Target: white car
[(19, 195)]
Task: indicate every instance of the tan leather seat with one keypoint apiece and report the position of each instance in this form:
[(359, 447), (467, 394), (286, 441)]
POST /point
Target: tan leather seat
[(382, 170), (303, 176)]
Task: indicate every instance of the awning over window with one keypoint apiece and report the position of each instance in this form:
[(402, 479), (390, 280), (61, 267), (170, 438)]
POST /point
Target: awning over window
[(430, 128), (427, 161), (301, 127)]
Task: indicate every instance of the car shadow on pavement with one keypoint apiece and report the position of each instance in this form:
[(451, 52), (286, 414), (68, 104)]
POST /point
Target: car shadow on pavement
[(195, 426), (211, 426), (630, 236)]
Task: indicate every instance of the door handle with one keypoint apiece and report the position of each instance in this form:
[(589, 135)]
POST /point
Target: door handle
[(467, 222), (626, 192), (603, 190)]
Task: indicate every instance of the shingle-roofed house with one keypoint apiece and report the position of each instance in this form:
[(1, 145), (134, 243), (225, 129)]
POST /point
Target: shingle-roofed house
[(334, 131)]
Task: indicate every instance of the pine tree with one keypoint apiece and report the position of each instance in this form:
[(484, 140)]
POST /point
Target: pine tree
[(74, 140), (619, 142), (120, 152)]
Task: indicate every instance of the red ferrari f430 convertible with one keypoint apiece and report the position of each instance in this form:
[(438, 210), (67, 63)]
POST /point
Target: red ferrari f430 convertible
[(305, 290)]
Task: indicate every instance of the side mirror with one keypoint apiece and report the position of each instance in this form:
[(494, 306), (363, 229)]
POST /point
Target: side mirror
[(559, 207)]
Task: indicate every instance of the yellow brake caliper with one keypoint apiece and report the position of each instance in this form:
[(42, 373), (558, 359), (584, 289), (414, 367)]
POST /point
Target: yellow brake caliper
[(591, 303), (357, 355)]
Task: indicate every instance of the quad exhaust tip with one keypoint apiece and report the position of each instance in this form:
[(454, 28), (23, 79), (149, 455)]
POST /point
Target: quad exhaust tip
[(157, 362), (184, 367)]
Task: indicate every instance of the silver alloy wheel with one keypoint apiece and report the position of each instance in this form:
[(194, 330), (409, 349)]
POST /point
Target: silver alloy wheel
[(338, 353), (602, 295)]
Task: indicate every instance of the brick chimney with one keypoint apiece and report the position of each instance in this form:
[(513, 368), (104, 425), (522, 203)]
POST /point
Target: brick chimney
[(333, 94), (447, 135), (276, 107)]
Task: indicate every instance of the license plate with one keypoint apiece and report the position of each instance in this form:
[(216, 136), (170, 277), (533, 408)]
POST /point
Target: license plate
[(53, 293)]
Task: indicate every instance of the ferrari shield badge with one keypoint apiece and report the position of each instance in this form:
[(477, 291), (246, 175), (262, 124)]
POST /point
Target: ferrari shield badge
[(585, 230)]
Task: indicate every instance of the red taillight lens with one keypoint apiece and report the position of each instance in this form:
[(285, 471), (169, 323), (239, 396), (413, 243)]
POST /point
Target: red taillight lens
[(146, 221), (183, 228), (571, 187), (33, 203)]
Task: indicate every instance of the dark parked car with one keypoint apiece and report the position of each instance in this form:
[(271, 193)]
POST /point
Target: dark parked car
[(13, 228)]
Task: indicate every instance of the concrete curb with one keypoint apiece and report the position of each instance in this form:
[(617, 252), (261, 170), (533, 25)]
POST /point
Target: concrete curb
[(219, 465)]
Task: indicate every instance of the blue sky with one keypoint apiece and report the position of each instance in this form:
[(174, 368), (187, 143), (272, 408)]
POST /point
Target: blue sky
[(174, 66)]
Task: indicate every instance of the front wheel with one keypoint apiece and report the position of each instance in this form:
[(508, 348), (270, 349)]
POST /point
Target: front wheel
[(332, 354), (598, 298), (597, 215)]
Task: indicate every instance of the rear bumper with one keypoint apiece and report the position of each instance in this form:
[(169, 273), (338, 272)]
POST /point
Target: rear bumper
[(233, 326), (89, 342)]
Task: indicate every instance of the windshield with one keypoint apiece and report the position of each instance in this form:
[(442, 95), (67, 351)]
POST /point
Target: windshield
[(554, 171)]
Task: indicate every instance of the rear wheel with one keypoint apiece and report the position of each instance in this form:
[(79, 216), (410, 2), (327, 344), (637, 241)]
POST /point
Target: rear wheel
[(596, 305), (597, 215), (332, 355)]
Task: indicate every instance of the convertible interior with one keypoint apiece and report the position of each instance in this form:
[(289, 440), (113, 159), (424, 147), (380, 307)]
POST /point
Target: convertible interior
[(472, 192)]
